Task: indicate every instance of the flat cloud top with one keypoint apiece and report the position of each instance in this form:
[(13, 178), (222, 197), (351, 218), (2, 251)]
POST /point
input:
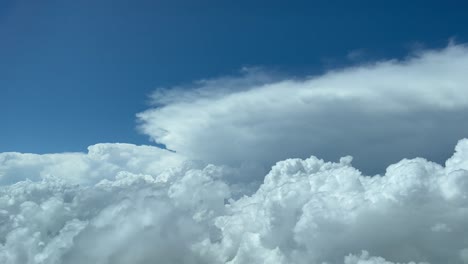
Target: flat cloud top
[(385, 111)]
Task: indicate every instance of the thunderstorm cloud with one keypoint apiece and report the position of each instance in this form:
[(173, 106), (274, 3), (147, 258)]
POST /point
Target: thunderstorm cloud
[(379, 112), (204, 199)]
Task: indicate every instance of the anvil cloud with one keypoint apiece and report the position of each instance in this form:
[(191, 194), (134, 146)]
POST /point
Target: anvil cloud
[(199, 201), (378, 112)]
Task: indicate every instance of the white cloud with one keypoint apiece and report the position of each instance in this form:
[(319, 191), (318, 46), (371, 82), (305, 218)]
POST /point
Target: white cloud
[(379, 113), (364, 258), (130, 219), (313, 211), (102, 161), (122, 203), (306, 211)]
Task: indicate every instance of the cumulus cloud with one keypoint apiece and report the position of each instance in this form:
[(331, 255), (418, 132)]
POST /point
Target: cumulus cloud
[(132, 218), (379, 113), (306, 211), (311, 211), (102, 161), (122, 203)]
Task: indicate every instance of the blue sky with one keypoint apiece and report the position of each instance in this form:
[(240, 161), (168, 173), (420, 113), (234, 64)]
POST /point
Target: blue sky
[(275, 117), (75, 73)]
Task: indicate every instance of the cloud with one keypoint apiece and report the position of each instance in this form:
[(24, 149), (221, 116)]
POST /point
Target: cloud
[(101, 162), (122, 203), (311, 211), (306, 211), (379, 113), (132, 218), (355, 55), (364, 258)]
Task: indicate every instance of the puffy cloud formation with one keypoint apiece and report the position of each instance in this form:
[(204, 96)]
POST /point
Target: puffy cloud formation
[(101, 162), (306, 211), (378, 112), (122, 203)]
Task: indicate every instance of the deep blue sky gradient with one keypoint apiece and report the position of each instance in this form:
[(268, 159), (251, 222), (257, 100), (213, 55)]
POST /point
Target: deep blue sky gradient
[(75, 72)]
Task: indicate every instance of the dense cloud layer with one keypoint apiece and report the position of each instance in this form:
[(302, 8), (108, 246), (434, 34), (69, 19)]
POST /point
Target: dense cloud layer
[(101, 162), (379, 113), (306, 211), (122, 203)]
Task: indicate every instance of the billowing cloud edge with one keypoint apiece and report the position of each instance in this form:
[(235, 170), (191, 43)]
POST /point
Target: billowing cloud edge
[(122, 203), (306, 211)]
